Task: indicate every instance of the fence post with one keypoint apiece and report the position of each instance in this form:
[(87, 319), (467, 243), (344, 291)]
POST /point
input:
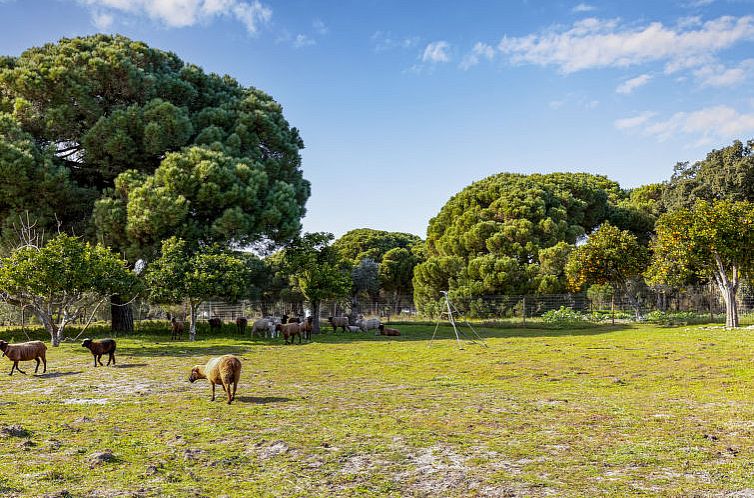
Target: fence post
[(523, 312), (612, 307)]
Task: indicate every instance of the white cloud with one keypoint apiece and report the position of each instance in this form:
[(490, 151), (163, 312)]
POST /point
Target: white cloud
[(384, 41), (320, 27), (480, 51), (303, 41), (629, 86), (720, 123), (634, 121), (583, 7), (593, 43), (102, 20), (717, 75), (182, 13), (436, 52)]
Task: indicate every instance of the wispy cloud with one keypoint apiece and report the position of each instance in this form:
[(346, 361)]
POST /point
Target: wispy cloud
[(182, 13), (383, 41), (583, 7), (302, 41), (718, 75), (479, 52), (632, 84), (704, 126), (634, 121), (436, 52), (103, 21), (320, 27), (594, 43)]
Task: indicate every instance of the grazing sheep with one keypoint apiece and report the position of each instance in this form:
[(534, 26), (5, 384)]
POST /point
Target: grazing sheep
[(338, 321), (100, 347), (353, 328), (215, 324), (241, 323), (261, 327), (273, 320), (388, 331), (368, 324), (177, 328), (306, 328), (289, 330), (224, 370), (294, 319), (25, 351)]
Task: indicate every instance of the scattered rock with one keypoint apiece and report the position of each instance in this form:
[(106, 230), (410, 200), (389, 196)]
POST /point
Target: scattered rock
[(151, 470), (711, 437), (274, 449), (27, 444), (619, 381), (100, 458), (193, 454), (14, 431)]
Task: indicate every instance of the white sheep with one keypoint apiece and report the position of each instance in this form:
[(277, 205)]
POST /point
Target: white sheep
[(338, 321), (262, 327), (366, 324), (25, 351), (224, 370), (353, 328)]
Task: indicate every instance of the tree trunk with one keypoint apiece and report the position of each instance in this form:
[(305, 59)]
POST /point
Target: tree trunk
[(50, 327), (315, 317), (728, 288), (122, 316), (731, 307), (192, 327)]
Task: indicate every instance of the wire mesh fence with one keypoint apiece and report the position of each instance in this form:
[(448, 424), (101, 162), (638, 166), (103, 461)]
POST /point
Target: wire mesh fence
[(703, 301)]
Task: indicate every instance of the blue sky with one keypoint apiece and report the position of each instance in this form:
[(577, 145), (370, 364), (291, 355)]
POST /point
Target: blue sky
[(402, 104)]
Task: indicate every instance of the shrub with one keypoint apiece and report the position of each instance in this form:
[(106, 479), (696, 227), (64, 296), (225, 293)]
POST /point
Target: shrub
[(565, 317)]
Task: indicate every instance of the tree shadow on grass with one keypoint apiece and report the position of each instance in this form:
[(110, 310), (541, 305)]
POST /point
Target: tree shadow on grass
[(184, 350), (131, 365), (262, 400), (53, 375)]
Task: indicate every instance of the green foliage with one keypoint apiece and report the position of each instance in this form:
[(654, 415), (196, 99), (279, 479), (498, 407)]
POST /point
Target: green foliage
[(610, 256), (725, 174), (365, 277), (315, 269), (674, 318), (59, 280), (197, 276), (565, 317), (396, 270), (710, 241), (108, 118), (497, 235), (364, 243)]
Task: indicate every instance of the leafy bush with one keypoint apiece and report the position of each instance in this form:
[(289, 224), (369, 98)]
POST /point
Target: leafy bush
[(565, 317), (669, 318)]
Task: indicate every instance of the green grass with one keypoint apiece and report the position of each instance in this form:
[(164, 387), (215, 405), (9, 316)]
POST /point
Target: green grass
[(631, 410)]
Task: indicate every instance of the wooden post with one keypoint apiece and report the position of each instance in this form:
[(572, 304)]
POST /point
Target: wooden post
[(612, 307), (523, 311)]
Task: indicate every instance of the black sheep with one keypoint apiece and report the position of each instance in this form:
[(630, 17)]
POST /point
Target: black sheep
[(100, 347)]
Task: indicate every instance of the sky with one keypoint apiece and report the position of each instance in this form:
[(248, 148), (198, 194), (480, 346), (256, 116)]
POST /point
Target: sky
[(401, 104)]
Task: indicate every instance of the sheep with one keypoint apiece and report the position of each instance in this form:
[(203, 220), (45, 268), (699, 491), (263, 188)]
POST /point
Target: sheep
[(368, 324), (261, 326), (273, 320), (294, 319), (307, 326), (338, 321), (289, 330), (100, 347), (25, 351), (177, 328), (388, 331), (215, 324), (353, 328), (241, 323), (284, 319), (224, 370)]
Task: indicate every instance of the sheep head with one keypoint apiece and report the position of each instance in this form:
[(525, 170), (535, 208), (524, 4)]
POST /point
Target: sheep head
[(196, 374), (87, 343), (3, 345)]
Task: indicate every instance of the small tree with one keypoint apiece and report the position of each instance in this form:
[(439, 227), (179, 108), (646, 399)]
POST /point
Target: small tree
[(316, 270), (196, 277), (610, 256), (710, 240), (63, 279), (366, 280), (396, 272)]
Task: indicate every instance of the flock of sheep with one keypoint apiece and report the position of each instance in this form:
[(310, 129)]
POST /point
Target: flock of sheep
[(224, 370)]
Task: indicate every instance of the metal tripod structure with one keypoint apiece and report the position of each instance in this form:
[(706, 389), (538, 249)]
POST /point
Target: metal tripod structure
[(451, 314)]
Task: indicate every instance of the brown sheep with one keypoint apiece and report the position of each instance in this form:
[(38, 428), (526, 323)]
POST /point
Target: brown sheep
[(388, 331), (215, 324), (177, 328), (338, 321), (25, 351), (289, 330), (100, 347), (224, 370), (241, 323), (294, 319), (306, 328)]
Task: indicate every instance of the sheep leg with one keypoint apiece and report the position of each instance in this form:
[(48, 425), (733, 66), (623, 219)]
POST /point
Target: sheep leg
[(44, 363), (15, 365), (37, 367), (213, 391), (112, 358), (99, 359)]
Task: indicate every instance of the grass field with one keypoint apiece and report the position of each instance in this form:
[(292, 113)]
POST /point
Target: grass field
[(631, 410)]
